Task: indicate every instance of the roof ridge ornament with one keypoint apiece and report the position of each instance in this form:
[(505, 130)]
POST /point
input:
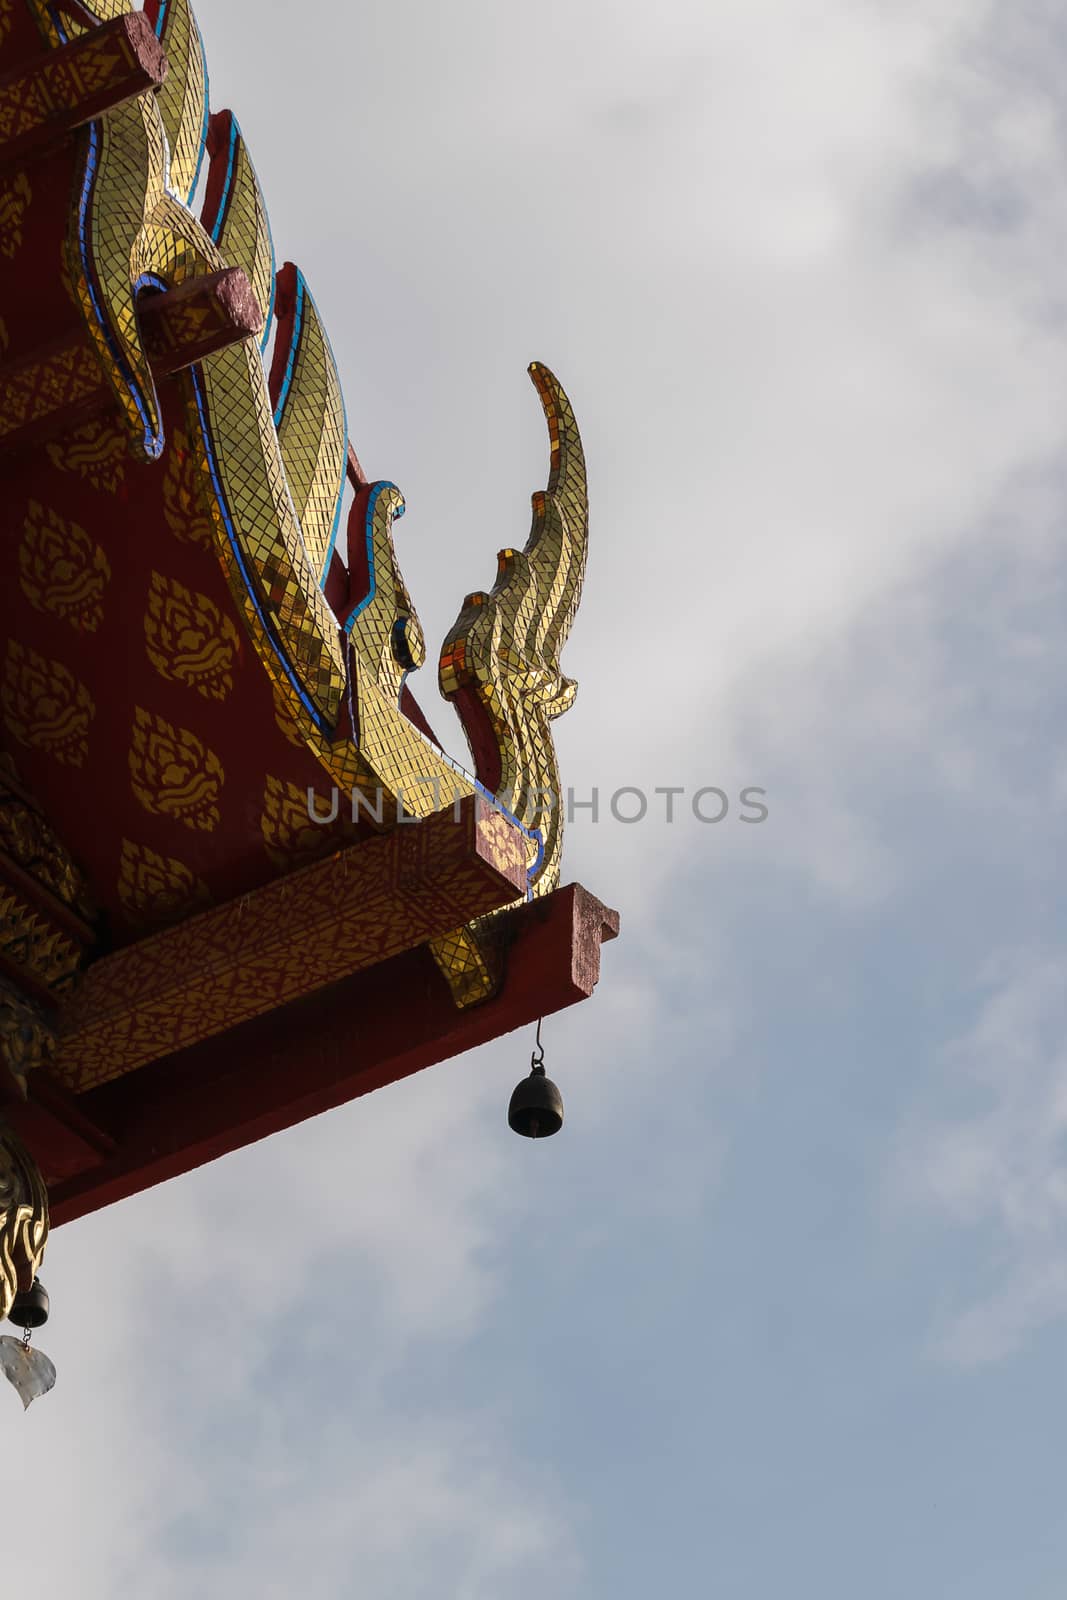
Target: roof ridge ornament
[(500, 663)]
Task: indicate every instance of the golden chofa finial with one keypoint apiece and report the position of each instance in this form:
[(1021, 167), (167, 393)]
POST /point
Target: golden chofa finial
[(500, 663)]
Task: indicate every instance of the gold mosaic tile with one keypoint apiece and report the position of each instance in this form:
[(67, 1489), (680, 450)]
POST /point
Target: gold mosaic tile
[(242, 228), (183, 98)]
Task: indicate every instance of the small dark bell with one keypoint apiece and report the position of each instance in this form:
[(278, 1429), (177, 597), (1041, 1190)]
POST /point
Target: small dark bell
[(536, 1109), (30, 1309)]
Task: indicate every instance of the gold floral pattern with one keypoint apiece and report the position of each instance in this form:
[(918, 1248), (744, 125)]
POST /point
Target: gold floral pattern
[(173, 773), (285, 723), (45, 706), (156, 889), (182, 505), (290, 838), (15, 196), (188, 639), (96, 452), (61, 570)]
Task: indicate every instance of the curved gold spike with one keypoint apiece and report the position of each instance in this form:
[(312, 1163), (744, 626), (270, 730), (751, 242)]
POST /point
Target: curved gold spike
[(309, 414), (124, 180), (238, 454), (234, 212), (183, 98), (383, 626)]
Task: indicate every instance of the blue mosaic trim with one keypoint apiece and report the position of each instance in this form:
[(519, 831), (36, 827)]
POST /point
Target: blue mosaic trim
[(220, 222), (377, 490), (294, 345)]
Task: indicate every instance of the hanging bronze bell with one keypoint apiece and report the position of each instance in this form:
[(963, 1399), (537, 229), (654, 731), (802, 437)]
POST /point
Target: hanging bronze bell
[(536, 1109), (30, 1309)]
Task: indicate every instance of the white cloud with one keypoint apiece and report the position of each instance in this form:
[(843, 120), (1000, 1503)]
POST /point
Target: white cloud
[(997, 1165), (238, 1414)]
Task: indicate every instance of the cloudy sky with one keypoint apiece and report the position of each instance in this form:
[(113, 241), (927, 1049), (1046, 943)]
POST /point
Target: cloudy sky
[(784, 1309)]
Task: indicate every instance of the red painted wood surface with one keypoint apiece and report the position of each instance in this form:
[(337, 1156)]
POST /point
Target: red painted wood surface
[(370, 1030)]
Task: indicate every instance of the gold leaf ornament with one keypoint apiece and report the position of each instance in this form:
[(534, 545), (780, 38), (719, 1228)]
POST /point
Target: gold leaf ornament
[(156, 889), (61, 569), (188, 639), (290, 838), (173, 773), (96, 452), (45, 706)]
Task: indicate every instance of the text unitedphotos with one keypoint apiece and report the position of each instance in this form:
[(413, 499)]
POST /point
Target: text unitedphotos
[(627, 805)]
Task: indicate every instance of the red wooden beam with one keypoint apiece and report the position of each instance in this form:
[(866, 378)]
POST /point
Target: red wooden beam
[(369, 1030), (288, 939), (42, 102)]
